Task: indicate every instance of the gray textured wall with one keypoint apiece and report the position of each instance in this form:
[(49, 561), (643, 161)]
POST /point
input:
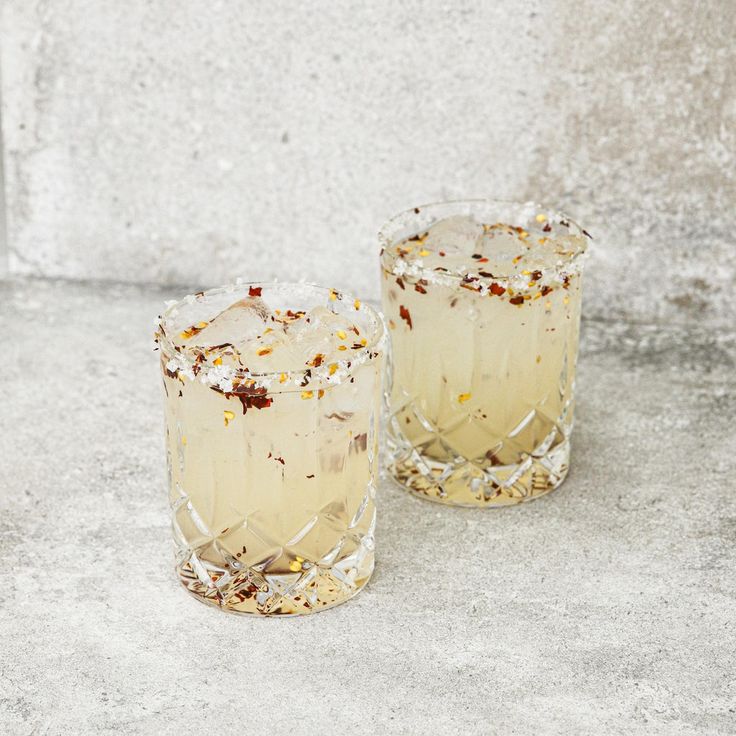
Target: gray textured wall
[(195, 142)]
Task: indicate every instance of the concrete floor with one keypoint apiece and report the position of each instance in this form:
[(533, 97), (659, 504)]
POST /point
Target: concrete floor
[(606, 607)]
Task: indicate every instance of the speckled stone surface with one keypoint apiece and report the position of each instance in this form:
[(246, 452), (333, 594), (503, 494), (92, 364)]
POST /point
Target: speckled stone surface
[(607, 607), (172, 142)]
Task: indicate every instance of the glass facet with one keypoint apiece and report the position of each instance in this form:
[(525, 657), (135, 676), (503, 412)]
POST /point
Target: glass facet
[(272, 395), (482, 301)]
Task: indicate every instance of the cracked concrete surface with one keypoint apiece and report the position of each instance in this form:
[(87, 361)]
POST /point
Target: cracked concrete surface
[(606, 607), (168, 142)]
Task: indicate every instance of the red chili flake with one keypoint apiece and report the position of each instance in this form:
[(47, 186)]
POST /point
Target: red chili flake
[(417, 237), (360, 441), (416, 210), (497, 289), (564, 223), (307, 376), (249, 396), (482, 260), (420, 288), (400, 282), (566, 282), (486, 274), (536, 275), (547, 228), (442, 253), (404, 314), (546, 290), (477, 256), (280, 460), (517, 300), (255, 290)]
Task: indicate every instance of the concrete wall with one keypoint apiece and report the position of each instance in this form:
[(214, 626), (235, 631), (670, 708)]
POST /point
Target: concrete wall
[(199, 141)]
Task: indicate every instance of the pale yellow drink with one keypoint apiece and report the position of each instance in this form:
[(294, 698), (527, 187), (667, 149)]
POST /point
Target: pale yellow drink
[(272, 407), (482, 301)]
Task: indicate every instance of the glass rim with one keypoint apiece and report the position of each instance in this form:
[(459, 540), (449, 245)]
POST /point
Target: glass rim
[(387, 236), (295, 378)]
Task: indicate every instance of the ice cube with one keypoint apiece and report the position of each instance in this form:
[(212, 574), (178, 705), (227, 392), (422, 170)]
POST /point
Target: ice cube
[(240, 323), (502, 248), (458, 234)]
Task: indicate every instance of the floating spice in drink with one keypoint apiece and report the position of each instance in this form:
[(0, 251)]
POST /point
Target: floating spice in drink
[(272, 409), (482, 301)]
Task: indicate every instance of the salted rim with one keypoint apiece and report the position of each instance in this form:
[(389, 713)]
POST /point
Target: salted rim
[(212, 374), (411, 222)]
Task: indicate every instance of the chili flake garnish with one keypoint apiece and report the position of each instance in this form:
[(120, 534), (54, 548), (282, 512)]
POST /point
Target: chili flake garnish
[(317, 360), (517, 300), (342, 347), (307, 394), (229, 416), (333, 295), (264, 351), (333, 369), (423, 252), (418, 287), (282, 378), (341, 334), (193, 330), (497, 289), (540, 217), (248, 394), (255, 290), (400, 282), (356, 303), (462, 398), (405, 315), (320, 393), (217, 361)]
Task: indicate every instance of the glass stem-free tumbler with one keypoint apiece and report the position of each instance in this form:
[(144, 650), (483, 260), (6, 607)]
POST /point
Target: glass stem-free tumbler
[(482, 300), (272, 395)]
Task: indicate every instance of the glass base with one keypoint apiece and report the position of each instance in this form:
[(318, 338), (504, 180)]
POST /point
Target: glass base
[(465, 483), (315, 588)]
